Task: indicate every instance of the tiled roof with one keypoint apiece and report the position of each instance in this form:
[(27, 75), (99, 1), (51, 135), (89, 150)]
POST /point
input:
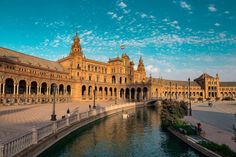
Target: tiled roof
[(228, 84), (174, 82), (203, 76), (17, 57)]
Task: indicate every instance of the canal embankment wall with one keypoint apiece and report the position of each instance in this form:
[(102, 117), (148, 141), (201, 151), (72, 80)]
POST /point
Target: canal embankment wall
[(192, 143), (38, 140)]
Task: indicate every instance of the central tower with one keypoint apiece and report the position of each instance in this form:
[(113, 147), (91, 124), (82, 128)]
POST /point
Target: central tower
[(76, 48)]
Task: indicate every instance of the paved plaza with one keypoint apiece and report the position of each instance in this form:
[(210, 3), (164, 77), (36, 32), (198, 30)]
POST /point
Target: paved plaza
[(216, 121), (16, 120)]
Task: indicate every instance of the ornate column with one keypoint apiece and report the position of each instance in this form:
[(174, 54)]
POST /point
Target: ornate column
[(39, 93), (135, 95), (14, 89), (48, 90), (129, 94), (29, 90), (3, 88)]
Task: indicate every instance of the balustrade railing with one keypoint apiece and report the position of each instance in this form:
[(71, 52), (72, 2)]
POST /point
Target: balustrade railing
[(44, 131), (15, 146)]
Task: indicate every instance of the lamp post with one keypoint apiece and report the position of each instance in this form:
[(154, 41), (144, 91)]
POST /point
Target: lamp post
[(190, 107), (53, 116)]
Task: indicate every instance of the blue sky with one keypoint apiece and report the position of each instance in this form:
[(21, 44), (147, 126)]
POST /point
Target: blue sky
[(176, 39)]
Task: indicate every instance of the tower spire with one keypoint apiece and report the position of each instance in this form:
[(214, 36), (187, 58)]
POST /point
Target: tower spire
[(76, 48)]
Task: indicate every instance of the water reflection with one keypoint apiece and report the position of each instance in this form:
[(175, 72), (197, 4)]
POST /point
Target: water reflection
[(137, 136)]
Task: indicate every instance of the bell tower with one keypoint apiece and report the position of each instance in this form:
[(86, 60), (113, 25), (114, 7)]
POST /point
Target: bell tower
[(141, 65), (76, 48), (141, 70)]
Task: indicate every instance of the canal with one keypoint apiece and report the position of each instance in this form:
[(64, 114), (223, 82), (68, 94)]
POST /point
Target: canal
[(138, 136)]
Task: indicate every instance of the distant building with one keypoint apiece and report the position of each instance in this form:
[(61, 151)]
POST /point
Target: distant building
[(26, 79)]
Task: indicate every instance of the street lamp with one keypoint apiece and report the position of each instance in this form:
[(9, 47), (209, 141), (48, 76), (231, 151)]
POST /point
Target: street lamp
[(53, 116), (190, 107)]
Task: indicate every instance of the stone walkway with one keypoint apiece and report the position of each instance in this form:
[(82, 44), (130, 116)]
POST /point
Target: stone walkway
[(216, 121), (17, 120)]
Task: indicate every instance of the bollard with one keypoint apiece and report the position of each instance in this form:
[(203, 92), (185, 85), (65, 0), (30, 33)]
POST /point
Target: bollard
[(68, 121), (35, 135)]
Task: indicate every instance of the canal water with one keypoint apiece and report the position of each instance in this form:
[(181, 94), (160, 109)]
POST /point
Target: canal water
[(138, 136)]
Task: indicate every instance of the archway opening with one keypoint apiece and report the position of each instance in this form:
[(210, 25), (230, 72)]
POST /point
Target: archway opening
[(44, 88), (34, 86), (9, 86), (22, 87)]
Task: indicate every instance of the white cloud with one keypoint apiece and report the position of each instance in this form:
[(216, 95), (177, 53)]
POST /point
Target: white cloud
[(217, 24), (115, 16), (222, 35), (122, 5), (120, 18), (226, 12), (150, 69), (45, 42), (165, 20), (126, 11), (212, 8), (185, 5), (55, 43), (88, 32), (143, 15)]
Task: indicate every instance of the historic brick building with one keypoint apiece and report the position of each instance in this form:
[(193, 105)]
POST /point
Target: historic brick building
[(26, 79)]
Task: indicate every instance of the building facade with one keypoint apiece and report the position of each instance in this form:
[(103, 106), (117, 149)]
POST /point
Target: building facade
[(26, 79)]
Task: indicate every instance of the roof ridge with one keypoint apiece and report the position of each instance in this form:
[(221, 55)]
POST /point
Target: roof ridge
[(27, 54)]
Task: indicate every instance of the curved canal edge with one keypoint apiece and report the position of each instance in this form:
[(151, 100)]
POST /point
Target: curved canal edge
[(191, 142), (82, 119)]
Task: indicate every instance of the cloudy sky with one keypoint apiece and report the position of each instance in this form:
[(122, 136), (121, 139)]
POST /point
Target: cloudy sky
[(176, 39)]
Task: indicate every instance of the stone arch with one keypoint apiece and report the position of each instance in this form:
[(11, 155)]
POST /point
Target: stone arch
[(22, 87), (110, 90), (113, 79), (9, 86), (83, 90), (106, 91), (122, 93), (90, 91), (61, 89), (132, 94), (51, 88), (127, 93), (100, 91), (44, 88), (33, 87), (139, 90), (145, 93), (68, 89)]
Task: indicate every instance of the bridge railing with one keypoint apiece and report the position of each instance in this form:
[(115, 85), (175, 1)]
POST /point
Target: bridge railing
[(18, 144)]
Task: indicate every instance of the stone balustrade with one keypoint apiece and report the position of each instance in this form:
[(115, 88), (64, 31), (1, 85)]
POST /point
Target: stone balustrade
[(17, 145)]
